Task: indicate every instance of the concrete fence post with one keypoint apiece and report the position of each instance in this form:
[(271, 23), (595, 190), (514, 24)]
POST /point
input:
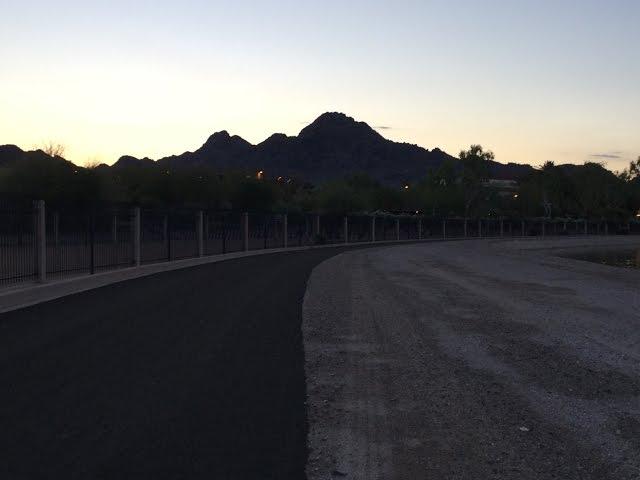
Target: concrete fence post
[(586, 227), (420, 229), (373, 228), (316, 225), (397, 229), (444, 228), (41, 242), (285, 230), (346, 229), (137, 237), (606, 228), (543, 228), (245, 231), (200, 232), (502, 227), (480, 228), (465, 227)]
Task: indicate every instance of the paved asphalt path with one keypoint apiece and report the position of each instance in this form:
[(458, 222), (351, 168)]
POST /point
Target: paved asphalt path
[(195, 373)]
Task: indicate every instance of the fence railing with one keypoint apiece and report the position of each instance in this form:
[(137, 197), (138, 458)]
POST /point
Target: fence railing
[(39, 243)]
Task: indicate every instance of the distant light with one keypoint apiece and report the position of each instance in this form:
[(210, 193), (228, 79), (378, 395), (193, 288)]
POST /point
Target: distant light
[(417, 212), (406, 187), (515, 196), (260, 175)]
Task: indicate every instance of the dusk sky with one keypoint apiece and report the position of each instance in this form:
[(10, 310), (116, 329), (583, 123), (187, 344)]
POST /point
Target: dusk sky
[(531, 80)]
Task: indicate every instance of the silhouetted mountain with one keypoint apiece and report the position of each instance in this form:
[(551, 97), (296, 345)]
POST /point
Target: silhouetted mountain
[(127, 161), (10, 155), (332, 146)]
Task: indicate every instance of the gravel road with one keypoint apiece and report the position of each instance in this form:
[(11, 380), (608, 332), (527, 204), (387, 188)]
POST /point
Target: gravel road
[(473, 360)]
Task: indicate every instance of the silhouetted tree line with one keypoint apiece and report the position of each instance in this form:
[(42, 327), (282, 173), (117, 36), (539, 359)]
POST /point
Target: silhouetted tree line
[(457, 188)]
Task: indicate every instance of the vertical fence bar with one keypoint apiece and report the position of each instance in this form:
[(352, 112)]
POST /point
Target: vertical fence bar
[(465, 227), (397, 229), (92, 243), (480, 228), (419, 228), (114, 228), (346, 229), (501, 227), (200, 232), (245, 232), (444, 228), (56, 228), (285, 230), (316, 225), (373, 228), (137, 237), (586, 227), (41, 239), (522, 227)]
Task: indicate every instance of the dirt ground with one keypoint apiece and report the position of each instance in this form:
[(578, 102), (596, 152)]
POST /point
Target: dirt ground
[(473, 360)]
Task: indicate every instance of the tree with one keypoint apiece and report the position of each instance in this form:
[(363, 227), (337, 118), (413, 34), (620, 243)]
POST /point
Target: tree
[(634, 169), (53, 149), (475, 171)]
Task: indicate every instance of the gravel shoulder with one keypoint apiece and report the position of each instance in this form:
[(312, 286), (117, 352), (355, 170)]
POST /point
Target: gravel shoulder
[(463, 360)]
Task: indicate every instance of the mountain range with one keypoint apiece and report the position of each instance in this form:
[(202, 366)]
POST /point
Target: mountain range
[(332, 146)]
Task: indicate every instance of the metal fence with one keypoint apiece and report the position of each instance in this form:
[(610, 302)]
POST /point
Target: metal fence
[(38, 243)]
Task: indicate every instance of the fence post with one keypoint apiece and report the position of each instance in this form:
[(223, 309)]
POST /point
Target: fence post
[(419, 228), (606, 227), (137, 237), (522, 225), (285, 230), (479, 228), (586, 228), (444, 228), (316, 225), (245, 232), (373, 228), (465, 227), (41, 242), (543, 227), (501, 227), (200, 232), (398, 229), (346, 229)]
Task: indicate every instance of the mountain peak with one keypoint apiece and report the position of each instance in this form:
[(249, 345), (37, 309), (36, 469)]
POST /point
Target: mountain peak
[(222, 139), (339, 126)]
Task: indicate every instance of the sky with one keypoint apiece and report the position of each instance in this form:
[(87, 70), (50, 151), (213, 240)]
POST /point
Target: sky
[(531, 80)]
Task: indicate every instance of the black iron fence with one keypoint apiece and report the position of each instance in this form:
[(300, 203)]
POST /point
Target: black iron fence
[(39, 243)]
